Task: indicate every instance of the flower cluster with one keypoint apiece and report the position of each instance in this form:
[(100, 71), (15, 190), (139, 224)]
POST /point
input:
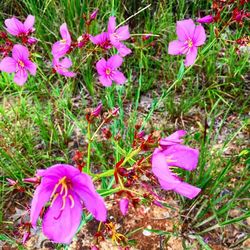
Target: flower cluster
[(107, 70), (19, 63)]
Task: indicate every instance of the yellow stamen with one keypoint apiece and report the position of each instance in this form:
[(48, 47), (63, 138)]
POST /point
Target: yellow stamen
[(190, 43), (108, 71), (63, 41), (72, 201), (64, 202), (20, 63), (54, 198)]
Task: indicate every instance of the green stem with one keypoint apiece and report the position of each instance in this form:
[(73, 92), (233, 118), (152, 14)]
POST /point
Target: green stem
[(89, 149)]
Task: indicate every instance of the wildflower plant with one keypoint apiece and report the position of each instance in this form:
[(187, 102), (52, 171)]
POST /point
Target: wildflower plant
[(129, 171)]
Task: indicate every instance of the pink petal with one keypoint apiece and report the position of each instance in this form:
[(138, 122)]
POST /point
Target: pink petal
[(185, 29), (14, 26), (173, 139), (111, 25), (205, 19), (84, 188), (30, 66), (124, 202), (118, 77), (101, 66), (40, 198), (105, 81), (160, 168), (199, 37), (20, 52), (175, 47), (59, 49), (65, 72), (100, 38), (114, 62), (20, 77), (66, 63), (187, 190), (169, 185), (29, 22), (58, 171), (123, 33), (8, 64), (123, 50), (191, 56), (65, 33), (60, 226), (182, 156)]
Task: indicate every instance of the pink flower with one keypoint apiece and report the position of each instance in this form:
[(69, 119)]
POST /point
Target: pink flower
[(176, 155), (101, 40), (205, 19), (66, 187), (60, 48), (61, 67), (190, 37), (117, 35), (18, 63), (17, 28), (108, 72), (124, 202)]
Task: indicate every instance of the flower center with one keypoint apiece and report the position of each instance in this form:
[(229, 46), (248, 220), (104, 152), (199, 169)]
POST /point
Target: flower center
[(63, 41), (20, 63), (62, 188), (190, 43), (108, 71)]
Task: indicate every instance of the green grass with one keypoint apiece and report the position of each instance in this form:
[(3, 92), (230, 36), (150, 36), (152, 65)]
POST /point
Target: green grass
[(39, 121)]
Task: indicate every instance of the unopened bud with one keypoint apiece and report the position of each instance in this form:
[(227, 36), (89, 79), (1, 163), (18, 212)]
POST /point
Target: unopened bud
[(94, 14), (32, 40), (96, 112)]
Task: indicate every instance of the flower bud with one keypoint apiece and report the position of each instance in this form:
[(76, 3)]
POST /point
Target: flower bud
[(205, 19), (93, 15), (96, 112), (34, 180), (32, 40)]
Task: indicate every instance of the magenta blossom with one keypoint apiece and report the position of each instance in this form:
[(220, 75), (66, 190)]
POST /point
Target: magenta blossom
[(124, 202), (60, 48), (66, 188), (17, 28), (61, 67), (205, 19), (108, 72), (18, 63), (175, 155), (101, 40), (190, 37), (117, 35)]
